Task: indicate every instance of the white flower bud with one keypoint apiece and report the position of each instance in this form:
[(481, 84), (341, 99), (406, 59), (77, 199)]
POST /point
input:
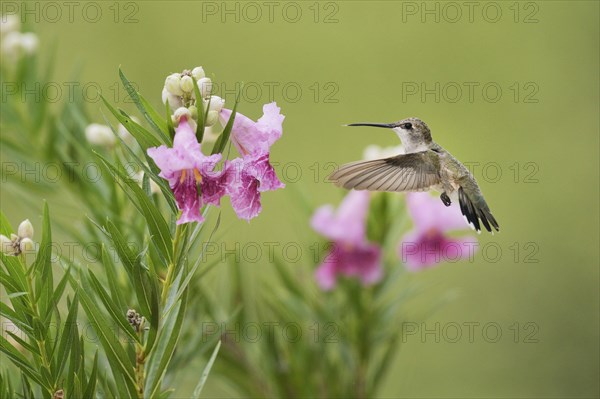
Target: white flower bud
[(198, 73), (172, 84), (6, 245), (216, 103), (124, 133), (29, 43), (187, 84), (25, 229), (26, 245), (179, 112), (212, 118), (97, 134), (205, 86), (11, 44), (193, 111), (174, 101), (9, 23)]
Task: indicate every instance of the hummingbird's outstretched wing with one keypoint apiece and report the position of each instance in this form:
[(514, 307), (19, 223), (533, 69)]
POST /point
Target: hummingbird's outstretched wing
[(474, 208), (409, 172)]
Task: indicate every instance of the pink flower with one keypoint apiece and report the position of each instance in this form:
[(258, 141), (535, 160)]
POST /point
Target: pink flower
[(247, 178), (190, 173), (351, 254), (251, 137), (253, 173), (428, 243)]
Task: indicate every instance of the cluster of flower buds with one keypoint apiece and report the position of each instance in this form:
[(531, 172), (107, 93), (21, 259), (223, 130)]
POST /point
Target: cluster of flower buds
[(20, 242), (134, 319), (14, 43), (179, 92)]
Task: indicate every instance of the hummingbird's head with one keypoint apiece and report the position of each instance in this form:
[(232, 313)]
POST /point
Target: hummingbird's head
[(413, 132)]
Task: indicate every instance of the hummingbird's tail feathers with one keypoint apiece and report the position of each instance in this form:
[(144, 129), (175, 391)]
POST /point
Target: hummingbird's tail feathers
[(407, 172), (476, 212)]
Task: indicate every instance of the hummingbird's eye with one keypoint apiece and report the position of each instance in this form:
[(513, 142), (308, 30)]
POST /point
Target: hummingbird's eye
[(407, 126)]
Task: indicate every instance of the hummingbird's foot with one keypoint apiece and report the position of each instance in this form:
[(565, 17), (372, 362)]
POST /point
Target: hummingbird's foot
[(445, 199)]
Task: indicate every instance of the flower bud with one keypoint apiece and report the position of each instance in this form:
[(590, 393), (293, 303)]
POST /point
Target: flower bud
[(9, 23), (173, 84), (198, 73), (101, 135), (25, 229), (179, 113), (6, 245), (216, 103), (11, 44), (205, 86), (29, 43), (212, 118), (26, 245), (174, 101), (193, 111), (124, 133), (187, 84)]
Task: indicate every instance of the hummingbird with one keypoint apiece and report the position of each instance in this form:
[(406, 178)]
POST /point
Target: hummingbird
[(425, 166)]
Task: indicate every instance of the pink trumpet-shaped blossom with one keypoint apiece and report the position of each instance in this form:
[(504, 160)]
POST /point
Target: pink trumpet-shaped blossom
[(351, 254), (429, 243), (253, 174), (190, 173)]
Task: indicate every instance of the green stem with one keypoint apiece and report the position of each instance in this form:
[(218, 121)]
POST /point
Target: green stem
[(170, 268)]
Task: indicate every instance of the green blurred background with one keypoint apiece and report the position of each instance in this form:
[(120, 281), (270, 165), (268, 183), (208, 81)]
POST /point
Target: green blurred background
[(354, 61)]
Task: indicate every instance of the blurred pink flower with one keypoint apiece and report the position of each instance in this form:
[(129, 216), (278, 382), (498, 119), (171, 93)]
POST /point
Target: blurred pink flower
[(428, 243), (188, 172), (351, 254)]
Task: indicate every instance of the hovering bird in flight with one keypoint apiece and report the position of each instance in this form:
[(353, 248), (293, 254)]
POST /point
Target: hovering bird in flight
[(424, 166)]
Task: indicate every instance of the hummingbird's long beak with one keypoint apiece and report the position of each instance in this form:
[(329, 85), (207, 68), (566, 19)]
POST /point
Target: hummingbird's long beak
[(385, 125)]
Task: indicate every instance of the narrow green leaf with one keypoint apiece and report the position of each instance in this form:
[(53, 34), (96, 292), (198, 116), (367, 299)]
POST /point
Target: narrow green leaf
[(157, 225), (117, 316), (200, 108), (136, 98), (205, 372), (69, 336), (120, 362), (21, 362), (90, 389), (165, 347), (224, 137), (144, 138)]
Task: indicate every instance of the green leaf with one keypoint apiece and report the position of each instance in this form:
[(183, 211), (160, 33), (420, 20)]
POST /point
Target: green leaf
[(144, 138), (116, 313), (90, 389), (198, 390), (42, 260), (21, 362), (165, 347), (132, 264), (224, 137), (142, 104), (158, 227), (69, 337), (117, 357), (200, 108), (170, 127)]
